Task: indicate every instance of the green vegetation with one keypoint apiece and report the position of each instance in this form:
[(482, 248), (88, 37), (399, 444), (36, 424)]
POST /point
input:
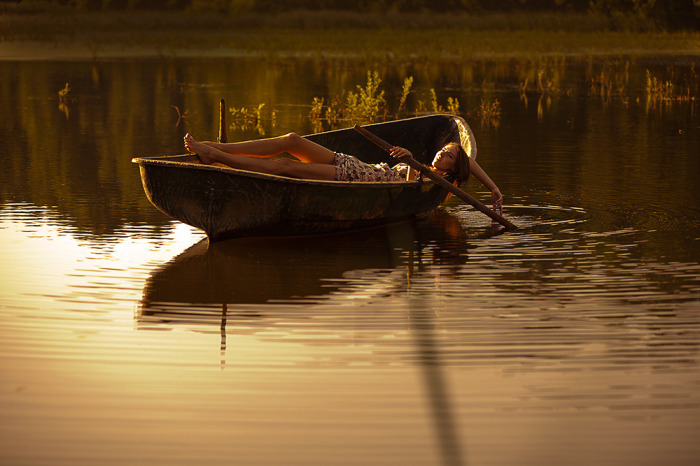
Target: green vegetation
[(255, 118), (104, 29), (606, 80), (368, 105), (660, 90), (63, 100), (405, 90), (490, 113)]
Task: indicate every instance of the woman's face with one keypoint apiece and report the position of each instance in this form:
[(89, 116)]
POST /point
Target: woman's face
[(446, 159)]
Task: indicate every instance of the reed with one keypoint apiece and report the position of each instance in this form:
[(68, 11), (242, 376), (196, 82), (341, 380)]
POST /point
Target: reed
[(63, 100), (453, 105), (490, 112), (612, 81), (368, 105), (658, 90), (63, 93), (255, 118), (609, 80), (316, 114), (436, 108), (664, 94), (316, 111), (405, 90), (181, 116), (547, 83)]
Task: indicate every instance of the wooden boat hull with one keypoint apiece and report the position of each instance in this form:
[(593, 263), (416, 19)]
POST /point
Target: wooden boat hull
[(227, 203)]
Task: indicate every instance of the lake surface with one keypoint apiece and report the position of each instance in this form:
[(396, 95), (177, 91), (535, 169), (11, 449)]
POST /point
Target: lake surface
[(126, 339)]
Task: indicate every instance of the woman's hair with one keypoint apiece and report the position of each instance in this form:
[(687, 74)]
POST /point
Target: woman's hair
[(461, 171)]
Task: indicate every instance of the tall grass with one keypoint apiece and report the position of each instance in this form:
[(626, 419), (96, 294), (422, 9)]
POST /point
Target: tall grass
[(254, 118), (490, 112), (367, 104), (405, 91)]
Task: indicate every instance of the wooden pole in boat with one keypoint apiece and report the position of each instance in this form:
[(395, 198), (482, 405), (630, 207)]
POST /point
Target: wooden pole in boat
[(222, 122), (439, 180)]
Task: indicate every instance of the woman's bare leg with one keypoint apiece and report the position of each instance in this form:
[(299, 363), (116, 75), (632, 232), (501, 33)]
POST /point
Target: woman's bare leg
[(209, 154), (303, 149)]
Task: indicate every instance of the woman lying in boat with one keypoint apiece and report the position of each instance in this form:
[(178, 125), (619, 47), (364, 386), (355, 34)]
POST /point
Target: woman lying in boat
[(324, 164)]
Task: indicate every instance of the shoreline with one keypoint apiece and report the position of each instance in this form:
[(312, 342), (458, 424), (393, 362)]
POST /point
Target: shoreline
[(304, 44), (324, 34)]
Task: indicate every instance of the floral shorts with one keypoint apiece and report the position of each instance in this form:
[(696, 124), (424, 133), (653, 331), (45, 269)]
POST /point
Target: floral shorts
[(350, 168)]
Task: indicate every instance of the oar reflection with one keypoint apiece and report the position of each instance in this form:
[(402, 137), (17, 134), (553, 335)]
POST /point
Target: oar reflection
[(420, 290)]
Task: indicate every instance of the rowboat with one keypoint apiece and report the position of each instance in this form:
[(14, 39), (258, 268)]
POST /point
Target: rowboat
[(228, 203)]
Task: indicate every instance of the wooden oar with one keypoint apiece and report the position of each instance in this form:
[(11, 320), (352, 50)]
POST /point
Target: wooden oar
[(438, 179)]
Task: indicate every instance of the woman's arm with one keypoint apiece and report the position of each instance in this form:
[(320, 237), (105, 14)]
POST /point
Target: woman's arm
[(480, 174), (399, 152)]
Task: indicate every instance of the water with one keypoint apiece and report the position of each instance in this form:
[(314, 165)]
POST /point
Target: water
[(125, 339)]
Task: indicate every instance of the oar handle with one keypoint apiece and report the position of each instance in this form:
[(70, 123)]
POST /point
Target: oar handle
[(442, 182), (374, 138)]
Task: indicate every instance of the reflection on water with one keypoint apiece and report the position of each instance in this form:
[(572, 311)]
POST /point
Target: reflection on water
[(435, 334), (319, 291), (344, 289), (125, 338), (424, 328), (295, 287)]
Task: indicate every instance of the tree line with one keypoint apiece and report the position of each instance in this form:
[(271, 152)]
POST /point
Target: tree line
[(670, 14)]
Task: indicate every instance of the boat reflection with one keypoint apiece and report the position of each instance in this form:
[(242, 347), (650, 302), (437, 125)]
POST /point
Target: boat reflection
[(239, 275), (253, 286)]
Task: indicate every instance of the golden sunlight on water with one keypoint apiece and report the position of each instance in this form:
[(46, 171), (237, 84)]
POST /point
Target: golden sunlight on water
[(125, 338), (166, 352)]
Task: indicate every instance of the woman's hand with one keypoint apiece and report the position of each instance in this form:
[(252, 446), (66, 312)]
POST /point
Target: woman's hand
[(400, 152), (497, 201)]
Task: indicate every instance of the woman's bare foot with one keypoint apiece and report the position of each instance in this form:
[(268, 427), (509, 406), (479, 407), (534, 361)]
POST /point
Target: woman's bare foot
[(203, 151)]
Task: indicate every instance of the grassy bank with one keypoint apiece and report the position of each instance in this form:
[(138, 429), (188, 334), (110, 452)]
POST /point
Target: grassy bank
[(68, 34)]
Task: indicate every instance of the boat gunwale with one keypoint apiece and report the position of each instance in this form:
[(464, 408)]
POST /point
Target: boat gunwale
[(169, 162)]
